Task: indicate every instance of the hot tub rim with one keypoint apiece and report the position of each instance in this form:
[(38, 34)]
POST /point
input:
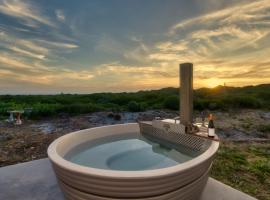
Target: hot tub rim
[(58, 160)]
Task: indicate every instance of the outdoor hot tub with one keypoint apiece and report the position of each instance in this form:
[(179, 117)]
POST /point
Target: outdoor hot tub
[(121, 162)]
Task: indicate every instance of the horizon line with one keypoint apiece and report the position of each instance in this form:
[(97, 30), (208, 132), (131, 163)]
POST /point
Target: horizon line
[(70, 93)]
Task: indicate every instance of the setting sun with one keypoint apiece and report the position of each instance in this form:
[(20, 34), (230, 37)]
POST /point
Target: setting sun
[(213, 82)]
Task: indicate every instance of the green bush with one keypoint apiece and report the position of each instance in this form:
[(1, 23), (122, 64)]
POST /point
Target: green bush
[(172, 102), (133, 106), (44, 110), (78, 108), (243, 101), (201, 104)]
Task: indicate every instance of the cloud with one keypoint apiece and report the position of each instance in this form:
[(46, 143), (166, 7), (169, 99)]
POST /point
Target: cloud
[(11, 62), (116, 68), (57, 44), (164, 56), (29, 56), (23, 47), (60, 15), (27, 53), (107, 44), (256, 11), (118, 77), (19, 70), (138, 52), (232, 32), (24, 11), (229, 44), (40, 49), (173, 46), (32, 46)]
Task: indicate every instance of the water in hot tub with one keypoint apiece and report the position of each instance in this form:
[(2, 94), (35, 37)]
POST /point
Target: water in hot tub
[(129, 154)]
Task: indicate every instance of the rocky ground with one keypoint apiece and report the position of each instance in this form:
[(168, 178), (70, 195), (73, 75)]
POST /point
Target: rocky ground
[(30, 140), (253, 125)]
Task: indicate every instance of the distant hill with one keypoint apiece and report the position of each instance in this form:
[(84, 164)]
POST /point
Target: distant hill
[(220, 97)]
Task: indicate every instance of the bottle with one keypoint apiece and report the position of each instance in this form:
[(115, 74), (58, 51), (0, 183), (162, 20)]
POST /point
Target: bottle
[(211, 127)]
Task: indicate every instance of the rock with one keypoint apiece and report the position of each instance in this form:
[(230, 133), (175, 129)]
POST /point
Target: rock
[(117, 117), (150, 115), (47, 128), (266, 115), (110, 115)]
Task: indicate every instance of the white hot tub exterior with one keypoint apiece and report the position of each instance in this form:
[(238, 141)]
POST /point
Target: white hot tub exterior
[(182, 181)]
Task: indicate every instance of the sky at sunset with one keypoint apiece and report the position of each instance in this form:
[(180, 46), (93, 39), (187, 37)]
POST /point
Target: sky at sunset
[(86, 46)]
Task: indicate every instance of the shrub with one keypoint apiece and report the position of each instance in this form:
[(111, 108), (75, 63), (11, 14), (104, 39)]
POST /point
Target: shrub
[(172, 102), (82, 108), (48, 110), (201, 104), (44, 110), (242, 102), (265, 128), (133, 106)]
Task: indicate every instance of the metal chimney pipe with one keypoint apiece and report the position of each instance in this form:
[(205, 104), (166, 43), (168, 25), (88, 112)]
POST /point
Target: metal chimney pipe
[(186, 93)]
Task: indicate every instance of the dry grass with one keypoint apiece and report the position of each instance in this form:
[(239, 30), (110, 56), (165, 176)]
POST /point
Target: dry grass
[(24, 147)]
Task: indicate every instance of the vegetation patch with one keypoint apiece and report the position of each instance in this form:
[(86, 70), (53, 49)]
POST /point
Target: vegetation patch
[(265, 128), (219, 98), (244, 166)]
